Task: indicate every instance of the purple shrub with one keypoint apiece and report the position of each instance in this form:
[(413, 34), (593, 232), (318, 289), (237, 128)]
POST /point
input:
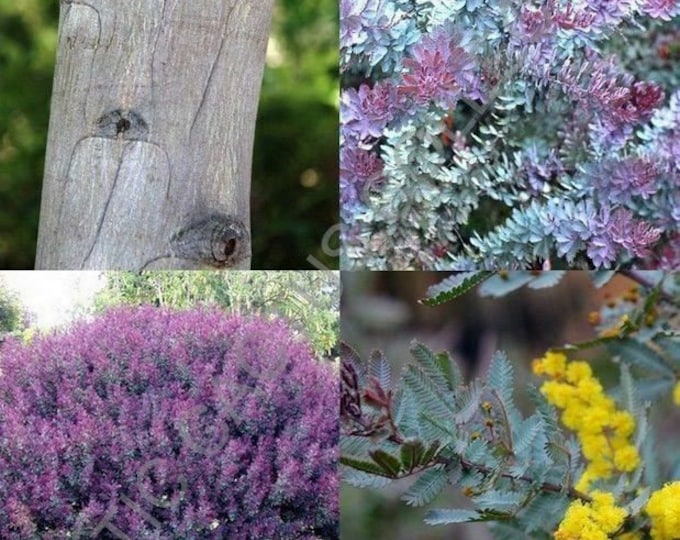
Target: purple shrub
[(167, 425)]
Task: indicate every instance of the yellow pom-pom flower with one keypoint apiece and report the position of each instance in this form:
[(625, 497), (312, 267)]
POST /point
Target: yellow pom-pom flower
[(553, 364), (594, 520), (602, 430), (663, 508)]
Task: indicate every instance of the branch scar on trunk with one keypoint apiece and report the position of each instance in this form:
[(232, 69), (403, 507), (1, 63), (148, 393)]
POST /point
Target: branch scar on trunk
[(215, 240)]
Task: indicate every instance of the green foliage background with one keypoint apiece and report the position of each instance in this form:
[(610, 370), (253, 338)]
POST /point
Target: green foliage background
[(295, 168), (309, 301), (12, 316)]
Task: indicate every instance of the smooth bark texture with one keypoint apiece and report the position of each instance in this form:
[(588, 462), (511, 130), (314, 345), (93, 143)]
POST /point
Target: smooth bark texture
[(151, 134)]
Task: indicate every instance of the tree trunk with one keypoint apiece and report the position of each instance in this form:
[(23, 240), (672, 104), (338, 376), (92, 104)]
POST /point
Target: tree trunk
[(151, 134)]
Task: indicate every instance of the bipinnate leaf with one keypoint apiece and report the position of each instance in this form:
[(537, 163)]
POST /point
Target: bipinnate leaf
[(434, 366), (387, 462), (453, 515), (426, 487), (469, 401), (525, 433), (379, 368), (349, 355), (432, 429), (427, 396), (498, 501), (547, 412), (431, 452), (641, 355), (370, 467), (454, 286), (544, 510), (500, 378), (670, 346), (355, 446), (479, 451), (630, 398), (638, 503), (361, 479), (450, 368), (412, 452), (653, 389)]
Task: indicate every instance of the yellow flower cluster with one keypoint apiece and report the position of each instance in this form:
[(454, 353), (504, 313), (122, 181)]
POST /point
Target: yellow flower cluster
[(602, 430), (663, 509), (676, 394), (594, 520)]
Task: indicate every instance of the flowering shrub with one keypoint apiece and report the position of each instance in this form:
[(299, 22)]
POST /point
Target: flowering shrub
[(592, 472), (149, 423), (503, 134)]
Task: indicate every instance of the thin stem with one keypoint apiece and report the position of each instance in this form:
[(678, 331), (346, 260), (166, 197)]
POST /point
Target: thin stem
[(548, 487)]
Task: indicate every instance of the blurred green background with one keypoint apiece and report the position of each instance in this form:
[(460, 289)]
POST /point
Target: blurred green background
[(295, 167)]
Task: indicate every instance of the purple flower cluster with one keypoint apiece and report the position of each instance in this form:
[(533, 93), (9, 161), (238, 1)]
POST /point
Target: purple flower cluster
[(161, 424)]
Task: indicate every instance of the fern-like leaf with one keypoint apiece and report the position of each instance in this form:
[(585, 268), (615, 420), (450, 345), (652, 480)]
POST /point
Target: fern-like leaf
[(426, 487), (380, 369), (525, 433), (450, 368), (500, 380), (630, 399), (454, 286), (349, 355), (432, 366), (361, 479), (498, 501), (387, 462), (411, 453), (641, 355), (426, 394), (365, 466), (469, 401), (453, 515)]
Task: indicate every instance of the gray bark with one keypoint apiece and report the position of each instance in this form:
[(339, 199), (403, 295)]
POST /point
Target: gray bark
[(151, 134)]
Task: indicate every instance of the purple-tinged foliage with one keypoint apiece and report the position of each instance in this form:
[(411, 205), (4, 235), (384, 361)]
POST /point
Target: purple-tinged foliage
[(621, 181), (510, 131), (167, 425), (661, 9), (360, 170), (368, 110), (439, 72)]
